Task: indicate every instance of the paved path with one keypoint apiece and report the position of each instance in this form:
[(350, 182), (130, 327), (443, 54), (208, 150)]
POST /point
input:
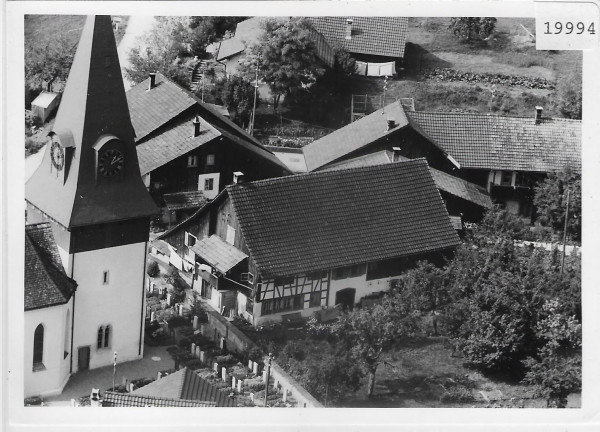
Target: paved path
[(81, 383), (136, 27)]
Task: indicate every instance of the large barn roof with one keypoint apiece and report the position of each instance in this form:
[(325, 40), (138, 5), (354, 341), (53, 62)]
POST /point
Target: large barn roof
[(332, 219)]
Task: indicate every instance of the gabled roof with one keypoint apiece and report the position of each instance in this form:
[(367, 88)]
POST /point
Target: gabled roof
[(162, 118), (186, 384), (174, 141), (218, 253), (246, 33), (381, 36), (444, 182), (114, 399), (151, 109), (504, 143), (185, 200), (354, 136), (46, 283), (324, 220)]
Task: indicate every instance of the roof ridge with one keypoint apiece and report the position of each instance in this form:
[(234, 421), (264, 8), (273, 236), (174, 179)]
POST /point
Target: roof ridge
[(321, 173), (489, 115)]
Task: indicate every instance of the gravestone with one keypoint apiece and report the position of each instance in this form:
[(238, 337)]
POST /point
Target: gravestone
[(193, 349), (255, 368), (250, 364), (216, 367), (239, 385), (202, 356), (224, 374), (284, 397), (233, 382), (195, 322)]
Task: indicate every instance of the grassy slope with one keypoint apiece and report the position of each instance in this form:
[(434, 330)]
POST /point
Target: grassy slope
[(431, 45)]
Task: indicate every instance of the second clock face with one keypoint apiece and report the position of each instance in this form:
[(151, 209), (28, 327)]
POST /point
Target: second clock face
[(111, 162)]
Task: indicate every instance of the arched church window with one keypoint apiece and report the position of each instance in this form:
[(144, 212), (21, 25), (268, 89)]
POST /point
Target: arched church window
[(38, 347), (103, 340)]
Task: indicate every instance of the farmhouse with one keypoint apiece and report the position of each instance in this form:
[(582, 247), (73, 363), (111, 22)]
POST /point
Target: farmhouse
[(285, 248), (504, 155), (186, 146), (377, 43)]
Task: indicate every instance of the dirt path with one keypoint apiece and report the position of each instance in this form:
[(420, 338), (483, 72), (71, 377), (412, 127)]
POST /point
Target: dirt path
[(136, 27)]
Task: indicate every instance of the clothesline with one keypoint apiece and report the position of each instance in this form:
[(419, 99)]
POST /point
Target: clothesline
[(375, 69)]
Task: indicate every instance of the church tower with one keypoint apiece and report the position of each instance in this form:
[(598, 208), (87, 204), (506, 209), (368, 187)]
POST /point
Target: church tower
[(89, 188)]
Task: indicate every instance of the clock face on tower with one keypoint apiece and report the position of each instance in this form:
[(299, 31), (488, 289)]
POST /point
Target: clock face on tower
[(57, 155), (111, 162)]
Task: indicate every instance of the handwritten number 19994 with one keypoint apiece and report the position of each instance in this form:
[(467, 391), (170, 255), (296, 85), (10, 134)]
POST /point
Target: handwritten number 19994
[(569, 27)]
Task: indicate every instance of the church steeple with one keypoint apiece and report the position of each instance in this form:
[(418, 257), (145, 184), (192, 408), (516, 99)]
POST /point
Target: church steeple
[(90, 173)]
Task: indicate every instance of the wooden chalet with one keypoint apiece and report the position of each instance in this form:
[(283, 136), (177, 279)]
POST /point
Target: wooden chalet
[(282, 249), (185, 146)]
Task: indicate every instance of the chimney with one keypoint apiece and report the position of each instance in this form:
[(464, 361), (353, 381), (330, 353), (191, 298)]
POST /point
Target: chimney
[(196, 123), (349, 22), (396, 154), (152, 80), (238, 177), (538, 114), (391, 124)]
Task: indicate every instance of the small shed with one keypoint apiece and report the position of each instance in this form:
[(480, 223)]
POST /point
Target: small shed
[(44, 104)]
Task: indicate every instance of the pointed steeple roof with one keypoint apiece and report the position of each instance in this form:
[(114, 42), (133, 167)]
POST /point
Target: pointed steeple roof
[(93, 111)]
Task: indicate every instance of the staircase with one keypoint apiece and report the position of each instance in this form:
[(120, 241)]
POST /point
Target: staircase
[(197, 71)]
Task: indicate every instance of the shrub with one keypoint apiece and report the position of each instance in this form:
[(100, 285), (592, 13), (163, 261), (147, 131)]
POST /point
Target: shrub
[(153, 269), (256, 386), (177, 321), (457, 394), (194, 364), (225, 359)]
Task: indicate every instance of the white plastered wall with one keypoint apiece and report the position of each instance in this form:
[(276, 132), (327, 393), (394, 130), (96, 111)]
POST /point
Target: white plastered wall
[(52, 379), (118, 303)]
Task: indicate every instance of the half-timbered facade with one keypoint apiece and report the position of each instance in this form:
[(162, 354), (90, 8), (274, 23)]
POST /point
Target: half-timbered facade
[(283, 249)]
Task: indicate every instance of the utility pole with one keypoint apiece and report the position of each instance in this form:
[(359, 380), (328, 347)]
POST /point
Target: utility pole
[(254, 107), (268, 377), (562, 264), (114, 370)]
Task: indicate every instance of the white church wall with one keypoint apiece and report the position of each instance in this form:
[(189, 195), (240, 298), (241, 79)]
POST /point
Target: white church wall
[(53, 376), (117, 303)]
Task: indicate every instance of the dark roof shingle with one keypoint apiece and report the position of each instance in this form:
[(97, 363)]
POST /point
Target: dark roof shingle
[(187, 385), (46, 283), (354, 136), (114, 399), (445, 182), (324, 220), (504, 143), (382, 36), (185, 200)]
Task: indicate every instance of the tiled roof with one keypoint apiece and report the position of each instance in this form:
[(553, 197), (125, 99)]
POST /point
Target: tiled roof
[(185, 200), (151, 109), (173, 142), (461, 188), (246, 33), (331, 219), (354, 136), (382, 36), (187, 385), (445, 182), (504, 143), (46, 283), (218, 253), (162, 246), (113, 399)]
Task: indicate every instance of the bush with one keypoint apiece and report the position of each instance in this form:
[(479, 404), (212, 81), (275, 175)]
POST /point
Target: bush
[(194, 364), (457, 394), (153, 269), (225, 359), (178, 321), (256, 386)]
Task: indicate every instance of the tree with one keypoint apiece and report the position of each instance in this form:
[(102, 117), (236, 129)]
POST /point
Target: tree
[(286, 56), (551, 202), (569, 94), (556, 370), (45, 64), (167, 40), (368, 332), (205, 30), (238, 96), (470, 29)]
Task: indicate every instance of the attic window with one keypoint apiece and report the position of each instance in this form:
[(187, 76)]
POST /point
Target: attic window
[(210, 159)]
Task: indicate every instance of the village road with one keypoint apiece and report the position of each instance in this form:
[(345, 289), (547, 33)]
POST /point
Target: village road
[(136, 27)]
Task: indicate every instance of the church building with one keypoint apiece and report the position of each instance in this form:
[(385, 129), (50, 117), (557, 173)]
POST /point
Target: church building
[(89, 203)]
